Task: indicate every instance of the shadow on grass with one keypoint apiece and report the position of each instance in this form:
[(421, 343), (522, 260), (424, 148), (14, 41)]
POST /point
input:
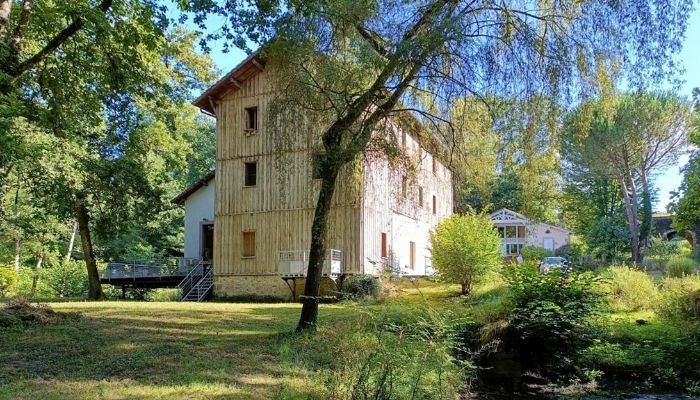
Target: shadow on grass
[(147, 350)]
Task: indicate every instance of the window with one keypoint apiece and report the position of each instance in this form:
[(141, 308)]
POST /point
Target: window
[(434, 205), (404, 187), (251, 119), (251, 174), (249, 244), (511, 232), (403, 139), (513, 248), (412, 255), (316, 166), (384, 246), (420, 196), (501, 231), (434, 166)]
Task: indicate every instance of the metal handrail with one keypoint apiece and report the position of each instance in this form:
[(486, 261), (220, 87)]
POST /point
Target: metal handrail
[(189, 280)]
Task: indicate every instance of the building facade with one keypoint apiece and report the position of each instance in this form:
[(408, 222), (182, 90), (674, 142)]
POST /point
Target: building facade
[(517, 231), (265, 198)]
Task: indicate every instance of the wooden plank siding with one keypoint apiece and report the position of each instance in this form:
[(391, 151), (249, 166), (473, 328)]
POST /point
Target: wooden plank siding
[(280, 208)]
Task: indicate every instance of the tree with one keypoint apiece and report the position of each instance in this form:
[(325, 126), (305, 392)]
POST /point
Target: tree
[(640, 133), (686, 205), (351, 66), (465, 248)]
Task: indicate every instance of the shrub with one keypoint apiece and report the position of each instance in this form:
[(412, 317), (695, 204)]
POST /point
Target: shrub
[(361, 285), (465, 248), (534, 253), (629, 289), (163, 295), (397, 354), (679, 267), (67, 279), (8, 280), (679, 298), (550, 317)]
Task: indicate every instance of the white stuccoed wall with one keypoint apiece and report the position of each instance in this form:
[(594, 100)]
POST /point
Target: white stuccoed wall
[(198, 207)]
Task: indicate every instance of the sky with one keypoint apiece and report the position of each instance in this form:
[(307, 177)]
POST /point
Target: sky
[(667, 180)]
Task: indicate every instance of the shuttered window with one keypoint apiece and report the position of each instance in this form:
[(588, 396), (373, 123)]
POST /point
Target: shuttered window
[(420, 196), (412, 256), (434, 205), (384, 246), (248, 244)]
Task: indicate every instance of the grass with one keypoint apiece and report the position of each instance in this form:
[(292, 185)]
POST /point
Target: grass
[(138, 350)]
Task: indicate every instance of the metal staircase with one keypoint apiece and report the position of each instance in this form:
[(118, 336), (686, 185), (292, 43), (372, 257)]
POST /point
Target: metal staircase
[(197, 285)]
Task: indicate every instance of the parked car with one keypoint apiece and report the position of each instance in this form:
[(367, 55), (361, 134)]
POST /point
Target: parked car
[(548, 263)]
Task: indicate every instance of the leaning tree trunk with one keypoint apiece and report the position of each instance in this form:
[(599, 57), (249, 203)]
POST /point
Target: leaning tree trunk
[(631, 201), (37, 272), (71, 243), (83, 218), (645, 227), (310, 299), (18, 248)]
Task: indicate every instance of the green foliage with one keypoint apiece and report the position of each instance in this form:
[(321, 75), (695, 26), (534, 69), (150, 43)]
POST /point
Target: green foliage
[(534, 253), (551, 316), (465, 249), (629, 289), (361, 286), (679, 267), (392, 354), (8, 280), (679, 298), (67, 279)]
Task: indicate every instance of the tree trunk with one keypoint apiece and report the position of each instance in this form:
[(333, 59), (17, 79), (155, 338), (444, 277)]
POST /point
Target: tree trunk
[(83, 218), (465, 289), (631, 200), (645, 228), (310, 299), (37, 271), (18, 247), (71, 243)]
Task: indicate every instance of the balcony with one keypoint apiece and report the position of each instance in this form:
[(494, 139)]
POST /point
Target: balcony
[(296, 262)]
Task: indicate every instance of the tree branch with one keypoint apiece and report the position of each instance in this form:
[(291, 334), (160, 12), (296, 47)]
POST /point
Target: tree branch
[(55, 42)]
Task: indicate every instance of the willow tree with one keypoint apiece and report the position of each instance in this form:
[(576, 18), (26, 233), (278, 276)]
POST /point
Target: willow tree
[(359, 63), (626, 139)]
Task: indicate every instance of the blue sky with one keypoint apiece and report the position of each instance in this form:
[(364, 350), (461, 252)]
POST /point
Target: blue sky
[(666, 180)]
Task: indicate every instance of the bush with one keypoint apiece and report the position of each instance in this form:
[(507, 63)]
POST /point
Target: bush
[(679, 298), (8, 280), (67, 279), (629, 289), (27, 279), (465, 248), (550, 317), (163, 295), (534, 253), (360, 286), (376, 356), (679, 267)]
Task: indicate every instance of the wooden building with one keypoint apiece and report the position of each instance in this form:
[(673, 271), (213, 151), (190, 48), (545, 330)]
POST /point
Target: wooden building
[(265, 197)]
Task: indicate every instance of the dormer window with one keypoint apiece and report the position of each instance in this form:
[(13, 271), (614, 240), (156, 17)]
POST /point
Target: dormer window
[(251, 120)]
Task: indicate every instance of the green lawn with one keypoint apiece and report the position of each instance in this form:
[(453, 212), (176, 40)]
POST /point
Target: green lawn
[(139, 350)]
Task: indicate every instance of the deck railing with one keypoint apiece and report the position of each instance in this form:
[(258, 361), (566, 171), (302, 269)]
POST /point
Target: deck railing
[(296, 263), (150, 269)]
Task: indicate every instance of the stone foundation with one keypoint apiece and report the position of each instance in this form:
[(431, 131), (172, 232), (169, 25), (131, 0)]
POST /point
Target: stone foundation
[(265, 286)]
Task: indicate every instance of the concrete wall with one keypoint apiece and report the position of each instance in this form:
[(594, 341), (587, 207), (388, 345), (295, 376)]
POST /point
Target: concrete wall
[(199, 207)]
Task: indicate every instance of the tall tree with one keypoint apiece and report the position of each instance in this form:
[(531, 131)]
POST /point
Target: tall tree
[(686, 205), (358, 63), (640, 133)]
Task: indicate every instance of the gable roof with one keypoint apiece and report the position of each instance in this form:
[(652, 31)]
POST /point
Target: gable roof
[(204, 181), (247, 68), (505, 215)]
